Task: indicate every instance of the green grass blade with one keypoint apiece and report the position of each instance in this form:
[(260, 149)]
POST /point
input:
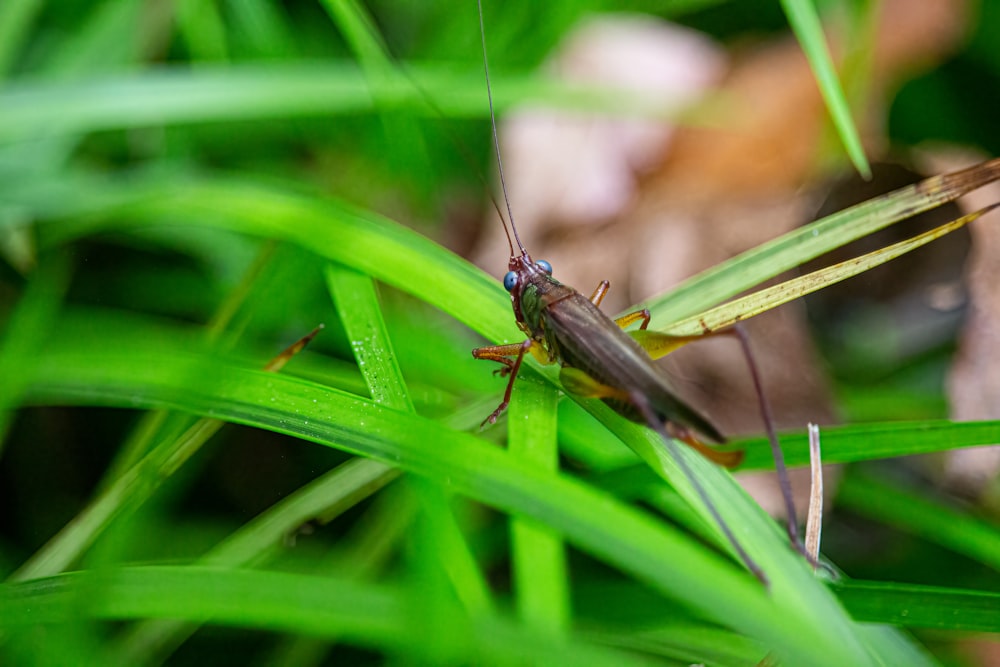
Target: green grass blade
[(363, 38), (277, 90), (805, 23), (321, 500), (764, 300), (867, 442), (916, 514), (26, 329), (913, 606), (541, 583), (775, 257), (132, 488), (609, 530), (16, 17), (357, 304), (203, 30), (107, 41), (378, 616)]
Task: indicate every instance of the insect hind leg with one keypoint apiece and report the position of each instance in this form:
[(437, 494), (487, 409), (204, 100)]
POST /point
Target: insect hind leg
[(644, 408), (791, 524)]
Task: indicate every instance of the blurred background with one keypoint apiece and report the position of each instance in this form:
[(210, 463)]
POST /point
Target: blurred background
[(730, 147)]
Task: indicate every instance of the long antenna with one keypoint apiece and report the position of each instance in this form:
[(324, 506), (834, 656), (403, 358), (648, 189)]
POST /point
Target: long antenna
[(496, 141)]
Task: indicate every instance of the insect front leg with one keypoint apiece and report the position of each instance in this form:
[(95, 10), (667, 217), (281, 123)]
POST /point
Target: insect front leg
[(502, 354)]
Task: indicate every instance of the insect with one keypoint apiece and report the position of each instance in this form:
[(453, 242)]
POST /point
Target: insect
[(599, 359)]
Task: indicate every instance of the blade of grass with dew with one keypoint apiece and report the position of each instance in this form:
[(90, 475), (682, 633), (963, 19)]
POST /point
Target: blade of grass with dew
[(805, 23), (357, 304), (917, 515), (540, 574), (814, 630)]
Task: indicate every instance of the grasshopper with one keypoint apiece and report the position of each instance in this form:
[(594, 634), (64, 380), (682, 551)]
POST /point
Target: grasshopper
[(599, 359)]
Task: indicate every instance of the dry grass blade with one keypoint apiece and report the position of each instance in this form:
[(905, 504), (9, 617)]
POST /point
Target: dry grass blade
[(768, 298)]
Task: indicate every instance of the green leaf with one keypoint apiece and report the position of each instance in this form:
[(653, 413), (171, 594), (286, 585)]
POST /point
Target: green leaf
[(805, 23), (920, 606)]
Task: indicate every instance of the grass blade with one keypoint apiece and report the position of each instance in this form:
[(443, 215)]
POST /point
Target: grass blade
[(804, 20)]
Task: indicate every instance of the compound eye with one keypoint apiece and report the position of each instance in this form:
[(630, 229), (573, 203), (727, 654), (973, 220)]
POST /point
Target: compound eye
[(544, 266), (509, 281)]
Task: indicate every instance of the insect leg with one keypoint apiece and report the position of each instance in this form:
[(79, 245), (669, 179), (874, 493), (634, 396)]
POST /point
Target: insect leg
[(641, 404), (502, 354), (499, 353), (643, 315), (779, 458), (624, 320), (726, 459), (599, 293), (279, 361)]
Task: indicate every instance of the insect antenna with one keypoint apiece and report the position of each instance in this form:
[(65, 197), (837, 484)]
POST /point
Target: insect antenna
[(460, 148), (496, 141)]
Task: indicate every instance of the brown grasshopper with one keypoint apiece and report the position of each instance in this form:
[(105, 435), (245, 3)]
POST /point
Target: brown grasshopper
[(599, 359)]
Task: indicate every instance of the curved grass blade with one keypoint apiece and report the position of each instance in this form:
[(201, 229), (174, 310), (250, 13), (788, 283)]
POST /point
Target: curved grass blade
[(404, 259), (770, 259), (841, 444), (325, 497), (764, 300), (378, 616), (160, 96), (134, 486), (815, 630)]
